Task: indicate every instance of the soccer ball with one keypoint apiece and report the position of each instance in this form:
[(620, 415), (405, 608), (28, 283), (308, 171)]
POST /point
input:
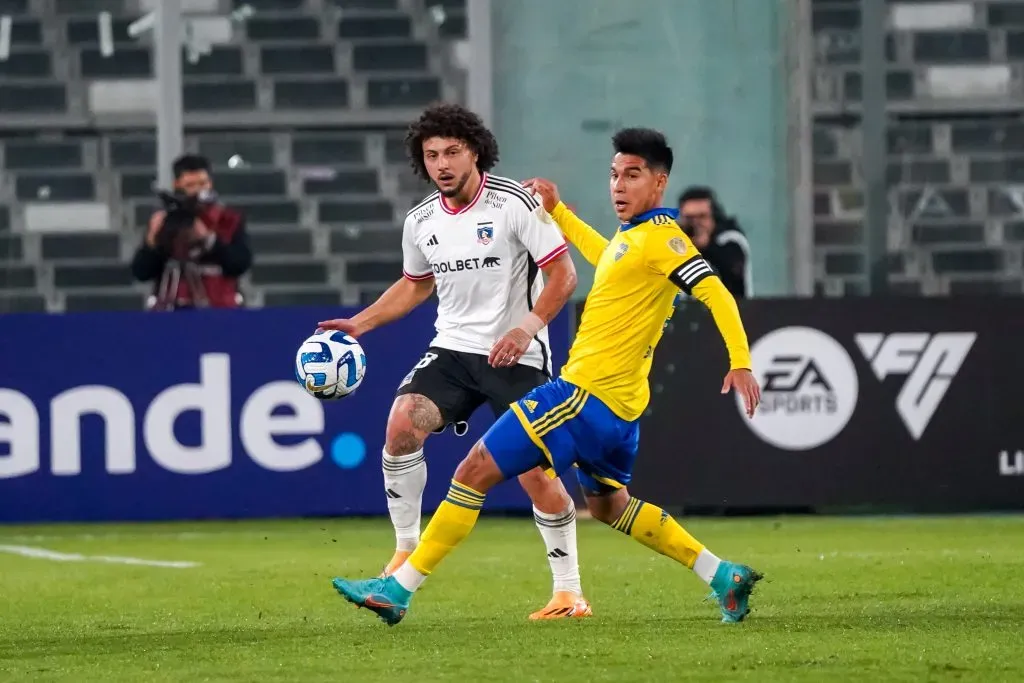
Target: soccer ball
[(330, 365)]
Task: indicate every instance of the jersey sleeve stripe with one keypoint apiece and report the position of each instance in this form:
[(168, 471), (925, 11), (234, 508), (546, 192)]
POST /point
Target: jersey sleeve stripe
[(514, 189), (417, 278), (555, 253)]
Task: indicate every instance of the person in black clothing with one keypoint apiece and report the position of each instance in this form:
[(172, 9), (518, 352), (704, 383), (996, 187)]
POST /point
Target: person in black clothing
[(196, 248), (718, 237)]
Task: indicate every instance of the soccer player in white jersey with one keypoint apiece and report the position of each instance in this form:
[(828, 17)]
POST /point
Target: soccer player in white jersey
[(487, 246)]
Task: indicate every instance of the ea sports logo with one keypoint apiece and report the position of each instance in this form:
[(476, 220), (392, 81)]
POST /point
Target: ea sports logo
[(808, 388)]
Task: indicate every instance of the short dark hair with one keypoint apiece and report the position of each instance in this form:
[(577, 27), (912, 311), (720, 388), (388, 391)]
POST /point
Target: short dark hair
[(450, 121), (189, 163), (646, 143), (697, 193)]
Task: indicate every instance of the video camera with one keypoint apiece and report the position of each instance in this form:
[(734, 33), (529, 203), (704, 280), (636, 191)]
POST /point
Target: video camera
[(182, 210)]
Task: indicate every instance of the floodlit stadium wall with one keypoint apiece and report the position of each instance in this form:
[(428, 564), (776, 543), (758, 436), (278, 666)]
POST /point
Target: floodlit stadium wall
[(143, 416), (873, 403)]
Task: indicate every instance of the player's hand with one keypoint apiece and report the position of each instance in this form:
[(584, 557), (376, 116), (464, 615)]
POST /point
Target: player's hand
[(745, 384), (346, 325), (507, 351), (547, 190)]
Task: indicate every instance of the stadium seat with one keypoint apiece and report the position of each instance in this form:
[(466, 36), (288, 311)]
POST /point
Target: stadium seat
[(11, 248), (311, 94), (403, 92), (222, 61), (22, 156), (315, 150), (21, 302), (111, 274), (83, 246), (17, 276), (299, 29), (32, 99), (297, 60), (282, 241), (385, 26), (370, 241), (342, 183), (304, 272), (341, 212), (104, 301), (390, 57), (55, 188), (137, 153), (129, 62), (375, 270), (86, 31), (26, 32), (226, 96), (26, 64), (301, 297)]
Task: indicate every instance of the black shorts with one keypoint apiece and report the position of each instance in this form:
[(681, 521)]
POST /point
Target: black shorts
[(458, 383)]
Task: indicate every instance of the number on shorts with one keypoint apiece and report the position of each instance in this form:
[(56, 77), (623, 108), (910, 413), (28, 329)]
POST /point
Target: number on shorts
[(427, 359)]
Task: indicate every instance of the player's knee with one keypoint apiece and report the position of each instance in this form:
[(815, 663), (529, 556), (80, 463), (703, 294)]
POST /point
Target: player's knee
[(401, 438), (547, 494), (412, 418), (478, 470)]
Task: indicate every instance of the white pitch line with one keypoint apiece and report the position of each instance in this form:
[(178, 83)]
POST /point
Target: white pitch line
[(44, 554)]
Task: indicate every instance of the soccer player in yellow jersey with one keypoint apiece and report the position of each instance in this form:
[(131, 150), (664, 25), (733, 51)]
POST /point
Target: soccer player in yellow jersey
[(588, 417)]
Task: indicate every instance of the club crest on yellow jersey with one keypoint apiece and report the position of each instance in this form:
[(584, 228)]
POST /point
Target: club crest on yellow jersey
[(621, 251)]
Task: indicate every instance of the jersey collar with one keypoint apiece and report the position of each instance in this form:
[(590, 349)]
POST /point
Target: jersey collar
[(648, 215)]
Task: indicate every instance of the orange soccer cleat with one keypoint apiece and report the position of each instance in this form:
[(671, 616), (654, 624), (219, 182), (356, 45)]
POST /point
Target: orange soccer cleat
[(397, 560), (564, 605)]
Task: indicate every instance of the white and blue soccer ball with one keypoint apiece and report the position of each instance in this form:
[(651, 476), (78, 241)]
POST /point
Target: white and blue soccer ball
[(330, 365)]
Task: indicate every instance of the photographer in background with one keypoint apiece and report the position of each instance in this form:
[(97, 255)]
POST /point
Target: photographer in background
[(195, 248), (718, 237)]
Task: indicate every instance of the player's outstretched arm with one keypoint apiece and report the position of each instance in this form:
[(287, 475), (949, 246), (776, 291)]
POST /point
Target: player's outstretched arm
[(395, 303), (589, 241), (712, 293), (669, 252)]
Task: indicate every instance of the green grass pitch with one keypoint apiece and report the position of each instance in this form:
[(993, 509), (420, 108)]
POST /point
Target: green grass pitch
[(865, 599)]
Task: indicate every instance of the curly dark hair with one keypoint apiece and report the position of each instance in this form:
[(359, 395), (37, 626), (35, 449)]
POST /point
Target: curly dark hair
[(450, 121), (646, 143)]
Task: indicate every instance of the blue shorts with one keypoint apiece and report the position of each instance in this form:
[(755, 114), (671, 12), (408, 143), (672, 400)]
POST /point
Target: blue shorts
[(559, 425)]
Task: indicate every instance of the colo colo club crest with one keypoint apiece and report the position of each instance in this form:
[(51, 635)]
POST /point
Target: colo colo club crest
[(485, 232)]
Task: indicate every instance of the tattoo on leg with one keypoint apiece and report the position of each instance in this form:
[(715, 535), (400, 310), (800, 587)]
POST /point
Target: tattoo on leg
[(403, 443), (423, 414)]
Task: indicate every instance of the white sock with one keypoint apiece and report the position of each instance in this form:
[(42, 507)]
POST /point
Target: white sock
[(408, 578), (559, 533), (706, 565), (405, 477)]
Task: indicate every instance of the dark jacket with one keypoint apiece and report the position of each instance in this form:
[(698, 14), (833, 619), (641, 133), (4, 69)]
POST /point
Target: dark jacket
[(729, 253), (199, 276)]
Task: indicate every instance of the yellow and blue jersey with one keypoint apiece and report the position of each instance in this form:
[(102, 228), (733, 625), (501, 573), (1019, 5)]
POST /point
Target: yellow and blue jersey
[(639, 274), (588, 416)]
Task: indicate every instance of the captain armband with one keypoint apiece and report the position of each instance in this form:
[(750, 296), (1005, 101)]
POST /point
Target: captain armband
[(689, 274)]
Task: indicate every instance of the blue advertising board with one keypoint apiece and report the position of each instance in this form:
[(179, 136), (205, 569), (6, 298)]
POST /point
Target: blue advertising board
[(190, 415)]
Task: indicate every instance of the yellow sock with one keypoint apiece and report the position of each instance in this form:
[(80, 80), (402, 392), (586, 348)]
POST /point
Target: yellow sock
[(454, 519), (657, 530)]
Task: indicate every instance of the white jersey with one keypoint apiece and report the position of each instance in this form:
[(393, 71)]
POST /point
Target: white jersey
[(485, 259)]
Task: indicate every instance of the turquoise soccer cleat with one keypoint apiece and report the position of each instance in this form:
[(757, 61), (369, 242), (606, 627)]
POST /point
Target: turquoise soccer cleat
[(731, 587), (385, 597)]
